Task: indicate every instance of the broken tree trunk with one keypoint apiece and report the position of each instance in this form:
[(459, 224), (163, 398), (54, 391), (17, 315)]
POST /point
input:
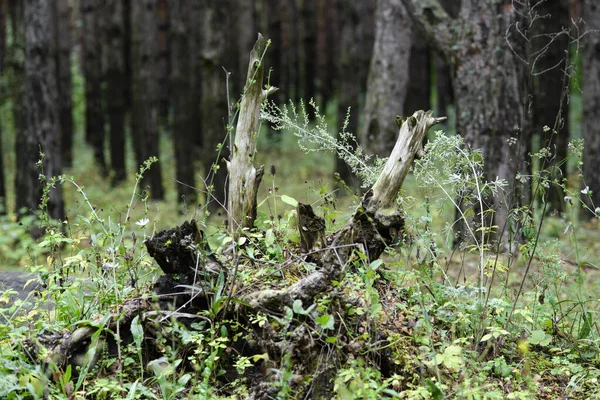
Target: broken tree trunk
[(374, 224), (244, 177)]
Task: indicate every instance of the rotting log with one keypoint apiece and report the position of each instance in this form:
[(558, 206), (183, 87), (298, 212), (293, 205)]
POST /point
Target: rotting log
[(374, 224), (244, 177)]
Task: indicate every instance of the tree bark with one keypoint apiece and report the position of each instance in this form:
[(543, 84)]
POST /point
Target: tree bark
[(63, 69), (356, 46), (163, 62), (388, 76), (419, 74), (550, 56), (42, 122), (308, 39), (3, 17), (326, 48), (246, 30), (116, 87), (181, 98), (15, 63), (92, 71), (591, 105), (488, 78), (445, 91), (146, 92), (244, 177), (214, 102)]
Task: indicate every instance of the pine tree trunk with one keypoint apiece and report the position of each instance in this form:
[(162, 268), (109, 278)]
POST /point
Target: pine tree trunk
[(3, 17), (42, 122), (308, 38), (445, 91), (163, 63), (490, 85), (63, 68), (388, 76), (145, 107), (419, 75), (15, 63), (355, 52), (197, 37), (550, 42), (591, 105), (181, 95), (246, 31), (116, 87), (326, 48), (91, 11), (214, 102)]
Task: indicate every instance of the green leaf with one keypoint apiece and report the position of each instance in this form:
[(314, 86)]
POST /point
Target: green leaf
[(137, 331), (540, 337), (331, 340), (289, 200), (452, 358), (269, 237), (436, 393), (325, 321)]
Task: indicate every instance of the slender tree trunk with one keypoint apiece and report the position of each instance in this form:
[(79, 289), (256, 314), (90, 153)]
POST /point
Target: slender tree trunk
[(246, 31), (419, 75), (308, 38), (63, 69), (591, 105), (550, 42), (128, 56), (197, 37), (163, 63), (355, 53), (181, 98), (15, 61), (146, 92), (445, 91), (116, 87), (42, 122), (214, 101), (3, 17), (326, 48), (388, 76), (91, 11)]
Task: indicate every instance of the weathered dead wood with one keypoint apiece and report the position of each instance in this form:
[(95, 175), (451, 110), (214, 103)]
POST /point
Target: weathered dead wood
[(374, 224), (244, 177)]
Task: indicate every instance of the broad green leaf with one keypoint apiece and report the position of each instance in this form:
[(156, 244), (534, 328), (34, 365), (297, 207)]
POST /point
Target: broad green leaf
[(289, 200), (325, 321)]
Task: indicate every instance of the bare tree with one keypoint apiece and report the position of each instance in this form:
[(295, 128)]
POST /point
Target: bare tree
[(181, 98), (356, 45), (63, 68), (91, 16), (146, 91), (591, 104), (214, 100), (550, 54), (388, 76), (163, 62), (116, 87), (42, 122)]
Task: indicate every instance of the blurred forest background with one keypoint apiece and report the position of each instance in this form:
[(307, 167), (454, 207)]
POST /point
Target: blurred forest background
[(101, 86)]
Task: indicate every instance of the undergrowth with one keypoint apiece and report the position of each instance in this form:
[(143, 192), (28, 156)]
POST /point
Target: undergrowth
[(473, 322)]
